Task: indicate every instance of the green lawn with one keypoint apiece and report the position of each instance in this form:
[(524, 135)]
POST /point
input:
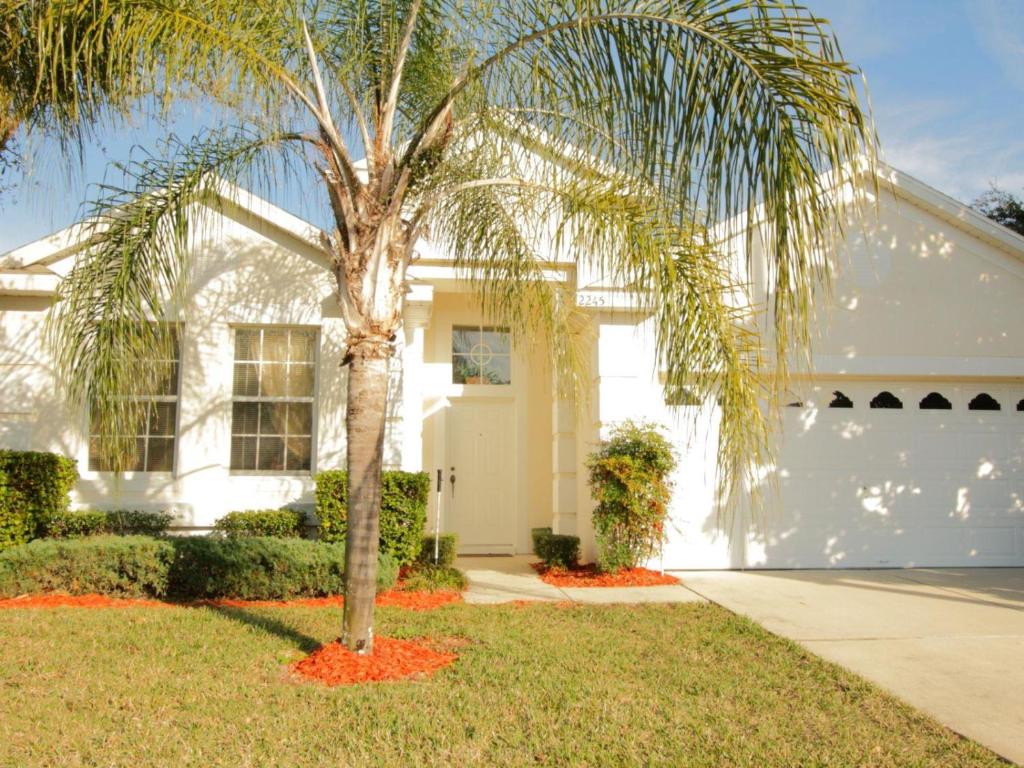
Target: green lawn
[(688, 685)]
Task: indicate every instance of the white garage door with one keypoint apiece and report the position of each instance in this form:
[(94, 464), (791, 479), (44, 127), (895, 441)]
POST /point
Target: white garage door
[(934, 479)]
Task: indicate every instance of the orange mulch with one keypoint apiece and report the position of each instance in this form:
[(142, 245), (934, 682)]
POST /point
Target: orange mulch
[(589, 576), (393, 598), (418, 601), (333, 664), (78, 601)]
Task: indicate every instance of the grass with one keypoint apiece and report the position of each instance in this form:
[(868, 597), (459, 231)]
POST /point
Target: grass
[(686, 685)]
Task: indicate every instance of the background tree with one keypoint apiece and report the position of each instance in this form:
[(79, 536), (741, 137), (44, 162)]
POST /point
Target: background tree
[(1003, 208), (616, 133)]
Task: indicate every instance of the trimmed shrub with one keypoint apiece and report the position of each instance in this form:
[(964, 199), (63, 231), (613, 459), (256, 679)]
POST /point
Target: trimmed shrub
[(123, 566), (431, 578), (15, 522), (629, 480), (263, 568), (403, 511), (135, 522), (184, 568), (76, 524), (446, 547), (36, 487), (93, 522), (536, 534), (556, 550), (284, 523)]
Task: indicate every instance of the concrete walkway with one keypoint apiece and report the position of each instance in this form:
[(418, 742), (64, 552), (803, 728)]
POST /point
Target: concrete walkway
[(507, 579), (948, 641)]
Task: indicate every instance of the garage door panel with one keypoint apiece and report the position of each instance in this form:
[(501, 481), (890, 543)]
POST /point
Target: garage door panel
[(885, 487), (863, 487)]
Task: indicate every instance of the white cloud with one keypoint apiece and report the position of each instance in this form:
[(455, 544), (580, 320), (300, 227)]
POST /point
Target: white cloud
[(999, 27), (962, 165)]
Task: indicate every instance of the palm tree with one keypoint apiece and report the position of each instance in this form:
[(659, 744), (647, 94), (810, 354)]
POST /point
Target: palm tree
[(618, 133)]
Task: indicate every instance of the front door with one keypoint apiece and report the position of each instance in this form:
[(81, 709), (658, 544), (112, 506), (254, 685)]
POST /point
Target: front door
[(481, 503)]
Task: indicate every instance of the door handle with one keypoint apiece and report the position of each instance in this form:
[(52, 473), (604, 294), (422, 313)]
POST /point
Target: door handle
[(452, 480)]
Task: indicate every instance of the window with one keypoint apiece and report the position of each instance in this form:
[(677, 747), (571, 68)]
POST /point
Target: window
[(272, 408), (935, 402), (155, 434), (481, 355), (984, 402), (840, 400), (886, 400)]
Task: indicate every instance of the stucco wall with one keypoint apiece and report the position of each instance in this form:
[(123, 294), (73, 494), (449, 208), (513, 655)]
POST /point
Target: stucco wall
[(243, 273)]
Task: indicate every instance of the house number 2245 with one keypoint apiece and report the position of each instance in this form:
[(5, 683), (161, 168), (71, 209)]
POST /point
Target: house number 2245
[(590, 300)]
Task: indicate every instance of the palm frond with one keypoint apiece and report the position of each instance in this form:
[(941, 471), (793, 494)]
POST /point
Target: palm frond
[(113, 328)]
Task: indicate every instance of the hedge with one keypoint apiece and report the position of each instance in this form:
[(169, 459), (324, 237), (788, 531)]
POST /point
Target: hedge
[(285, 523), (93, 522), (36, 486), (182, 568), (446, 550), (403, 512), (556, 550), (264, 568), (122, 566), (15, 522)]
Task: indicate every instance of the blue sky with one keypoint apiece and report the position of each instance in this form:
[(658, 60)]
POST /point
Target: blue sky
[(946, 79)]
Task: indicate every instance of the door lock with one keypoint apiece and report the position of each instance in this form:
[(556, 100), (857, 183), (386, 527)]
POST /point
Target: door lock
[(451, 479)]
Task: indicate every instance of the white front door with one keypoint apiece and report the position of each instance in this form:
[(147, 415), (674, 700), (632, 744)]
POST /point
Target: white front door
[(481, 505)]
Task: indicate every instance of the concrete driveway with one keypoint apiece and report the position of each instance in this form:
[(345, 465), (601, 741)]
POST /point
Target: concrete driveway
[(948, 641)]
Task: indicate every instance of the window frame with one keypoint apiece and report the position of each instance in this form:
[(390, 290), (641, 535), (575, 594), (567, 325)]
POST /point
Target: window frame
[(312, 399), (174, 398)]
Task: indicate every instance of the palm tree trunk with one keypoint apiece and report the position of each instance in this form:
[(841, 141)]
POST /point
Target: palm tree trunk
[(366, 409)]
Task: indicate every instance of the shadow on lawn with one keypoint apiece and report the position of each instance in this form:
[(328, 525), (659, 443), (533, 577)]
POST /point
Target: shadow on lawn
[(270, 625)]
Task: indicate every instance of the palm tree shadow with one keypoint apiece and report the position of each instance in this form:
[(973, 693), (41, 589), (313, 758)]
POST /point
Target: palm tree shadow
[(269, 625)]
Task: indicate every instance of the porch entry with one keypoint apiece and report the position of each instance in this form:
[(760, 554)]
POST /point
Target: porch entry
[(480, 504)]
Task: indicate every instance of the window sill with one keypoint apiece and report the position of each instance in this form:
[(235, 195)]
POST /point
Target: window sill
[(270, 472)]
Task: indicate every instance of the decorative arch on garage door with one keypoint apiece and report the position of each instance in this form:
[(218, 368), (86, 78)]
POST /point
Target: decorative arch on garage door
[(935, 401), (886, 399), (984, 402)]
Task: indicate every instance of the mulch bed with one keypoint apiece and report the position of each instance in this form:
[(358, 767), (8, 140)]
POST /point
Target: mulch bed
[(393, 598), (54, 600), (589, 576), (333, 664)]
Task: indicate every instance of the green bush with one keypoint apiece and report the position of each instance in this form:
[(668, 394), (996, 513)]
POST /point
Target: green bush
[(537, 534), (263, 568), (431, 578), (629, 480), (93, 522), (446, 548), (184, 568), (556, 550), (135, 522), (76, 524), (403, 510), (36, 487), (15, 521), (285, 523), (124, 566)]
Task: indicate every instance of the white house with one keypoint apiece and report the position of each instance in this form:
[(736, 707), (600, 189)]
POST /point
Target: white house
[(905, 448)]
